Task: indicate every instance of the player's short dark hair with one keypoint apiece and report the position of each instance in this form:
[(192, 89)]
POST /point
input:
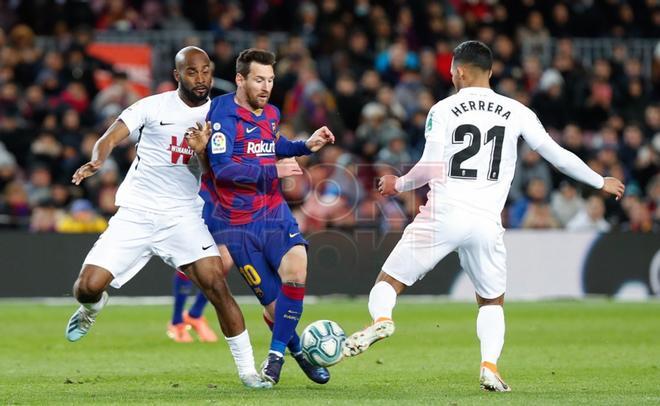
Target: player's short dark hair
[(247, 56), (474, 53)]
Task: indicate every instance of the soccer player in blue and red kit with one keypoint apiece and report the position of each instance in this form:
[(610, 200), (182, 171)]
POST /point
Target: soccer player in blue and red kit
[(247, 212)]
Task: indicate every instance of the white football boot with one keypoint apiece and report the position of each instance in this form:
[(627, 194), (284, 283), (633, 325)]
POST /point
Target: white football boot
[(82, 320), (358, 342), (491, 380), (254, 381)]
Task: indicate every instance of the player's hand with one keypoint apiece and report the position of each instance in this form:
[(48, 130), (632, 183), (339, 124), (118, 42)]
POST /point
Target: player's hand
[(86, 171), (320, 138), (198, 137), (614, 187), (288, 167), (386, 185)]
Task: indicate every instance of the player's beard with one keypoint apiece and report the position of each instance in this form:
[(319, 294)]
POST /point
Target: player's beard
[(257, 102), (194, 96)]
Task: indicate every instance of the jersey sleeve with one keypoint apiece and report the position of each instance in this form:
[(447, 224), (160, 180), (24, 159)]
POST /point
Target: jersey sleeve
[(285, 148), (220, 152), (135, 116), (434, 127), (532, 130)]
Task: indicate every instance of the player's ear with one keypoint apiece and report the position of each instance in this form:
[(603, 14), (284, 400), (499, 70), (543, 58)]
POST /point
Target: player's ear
[(239, 79), (460, 72), (175, 73), (490, 73)]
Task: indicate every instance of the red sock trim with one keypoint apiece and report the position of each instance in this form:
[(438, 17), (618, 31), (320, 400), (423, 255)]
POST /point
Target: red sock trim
[(182, 275), (269, 322), (293, 292)]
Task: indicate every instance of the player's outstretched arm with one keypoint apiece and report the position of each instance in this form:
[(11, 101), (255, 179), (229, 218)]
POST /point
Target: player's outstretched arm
[(423, 172), (112, 136), (569, 164)]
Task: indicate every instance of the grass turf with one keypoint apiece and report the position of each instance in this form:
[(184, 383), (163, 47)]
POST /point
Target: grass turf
[(593, 352)]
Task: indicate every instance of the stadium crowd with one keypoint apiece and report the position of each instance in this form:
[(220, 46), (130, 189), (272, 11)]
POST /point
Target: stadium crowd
[(370, 70)]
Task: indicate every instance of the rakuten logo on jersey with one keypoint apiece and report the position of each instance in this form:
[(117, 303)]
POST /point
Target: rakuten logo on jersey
[(261, 148)]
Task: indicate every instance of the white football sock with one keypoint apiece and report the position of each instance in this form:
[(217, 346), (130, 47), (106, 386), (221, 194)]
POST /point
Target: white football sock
[(490, 330), (241, 350), (382, 300), (94, 307)]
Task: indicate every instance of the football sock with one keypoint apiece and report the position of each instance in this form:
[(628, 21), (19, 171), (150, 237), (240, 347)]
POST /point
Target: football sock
[(181, 289), (288, 309), (241, 350), (490, 330), (382, 300), (94, 307), (197, 308), (294, 344)]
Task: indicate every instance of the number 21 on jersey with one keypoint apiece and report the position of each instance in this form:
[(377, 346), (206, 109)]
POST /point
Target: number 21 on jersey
[(494, 135)]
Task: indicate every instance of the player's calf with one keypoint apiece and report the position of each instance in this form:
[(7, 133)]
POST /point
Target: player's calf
[(360, 341)]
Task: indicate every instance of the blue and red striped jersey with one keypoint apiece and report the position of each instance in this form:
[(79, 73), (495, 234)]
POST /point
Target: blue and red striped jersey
[(242, 153)]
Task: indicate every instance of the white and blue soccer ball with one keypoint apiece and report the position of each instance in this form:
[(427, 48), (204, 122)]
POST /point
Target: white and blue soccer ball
[(322, 343)]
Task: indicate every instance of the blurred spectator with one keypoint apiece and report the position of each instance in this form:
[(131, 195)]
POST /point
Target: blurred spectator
[(566, 202), (530, 166), (115, 98), (81, 219), (539, 216), (376, 130), (549, 102), (591, 217), (45, 217), (535, 198), (640, 219)]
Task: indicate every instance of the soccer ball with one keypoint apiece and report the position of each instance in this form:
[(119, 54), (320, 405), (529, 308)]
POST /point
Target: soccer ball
[(322, 343)]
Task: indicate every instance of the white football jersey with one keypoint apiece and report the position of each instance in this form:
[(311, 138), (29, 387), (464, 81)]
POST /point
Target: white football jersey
[(479, 131), (165, 175)]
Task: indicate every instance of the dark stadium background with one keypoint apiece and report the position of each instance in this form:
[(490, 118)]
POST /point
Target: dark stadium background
[(370, 70)]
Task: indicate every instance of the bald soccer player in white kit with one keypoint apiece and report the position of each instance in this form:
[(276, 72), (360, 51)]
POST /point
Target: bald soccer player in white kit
[(160, 209), (468, 161)]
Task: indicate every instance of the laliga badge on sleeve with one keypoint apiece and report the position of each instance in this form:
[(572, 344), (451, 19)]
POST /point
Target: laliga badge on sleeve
[(218, 143)]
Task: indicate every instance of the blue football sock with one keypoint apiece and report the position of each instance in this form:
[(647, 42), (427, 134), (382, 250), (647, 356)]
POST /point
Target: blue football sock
[(197, 308), (181, 289), (288, 309), (294, 343)]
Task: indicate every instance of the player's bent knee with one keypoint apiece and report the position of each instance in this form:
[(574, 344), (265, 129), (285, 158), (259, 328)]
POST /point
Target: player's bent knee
[(482, 301), (91, 283)]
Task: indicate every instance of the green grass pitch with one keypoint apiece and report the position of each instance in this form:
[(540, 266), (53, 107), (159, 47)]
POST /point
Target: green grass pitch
[(592, 352)]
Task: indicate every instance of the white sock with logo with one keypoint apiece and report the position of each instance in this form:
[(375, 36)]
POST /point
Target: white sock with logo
[(382, 300), (241, 350), (490, 330)]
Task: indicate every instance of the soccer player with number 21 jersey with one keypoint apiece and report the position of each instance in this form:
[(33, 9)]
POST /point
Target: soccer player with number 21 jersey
[(468, 162)]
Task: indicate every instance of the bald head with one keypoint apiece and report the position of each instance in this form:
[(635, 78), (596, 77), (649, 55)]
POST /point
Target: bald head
[(194, 74), (184, 55)]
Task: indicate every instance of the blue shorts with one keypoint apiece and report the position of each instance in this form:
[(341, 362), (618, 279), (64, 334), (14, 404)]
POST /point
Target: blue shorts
[(257, 248)]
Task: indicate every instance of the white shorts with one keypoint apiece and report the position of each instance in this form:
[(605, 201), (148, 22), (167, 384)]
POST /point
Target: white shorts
[(429, 238), (134, 236)]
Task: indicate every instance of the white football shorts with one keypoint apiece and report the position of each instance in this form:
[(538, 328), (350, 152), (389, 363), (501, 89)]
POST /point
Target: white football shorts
[(429, 238), (134, 236)]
